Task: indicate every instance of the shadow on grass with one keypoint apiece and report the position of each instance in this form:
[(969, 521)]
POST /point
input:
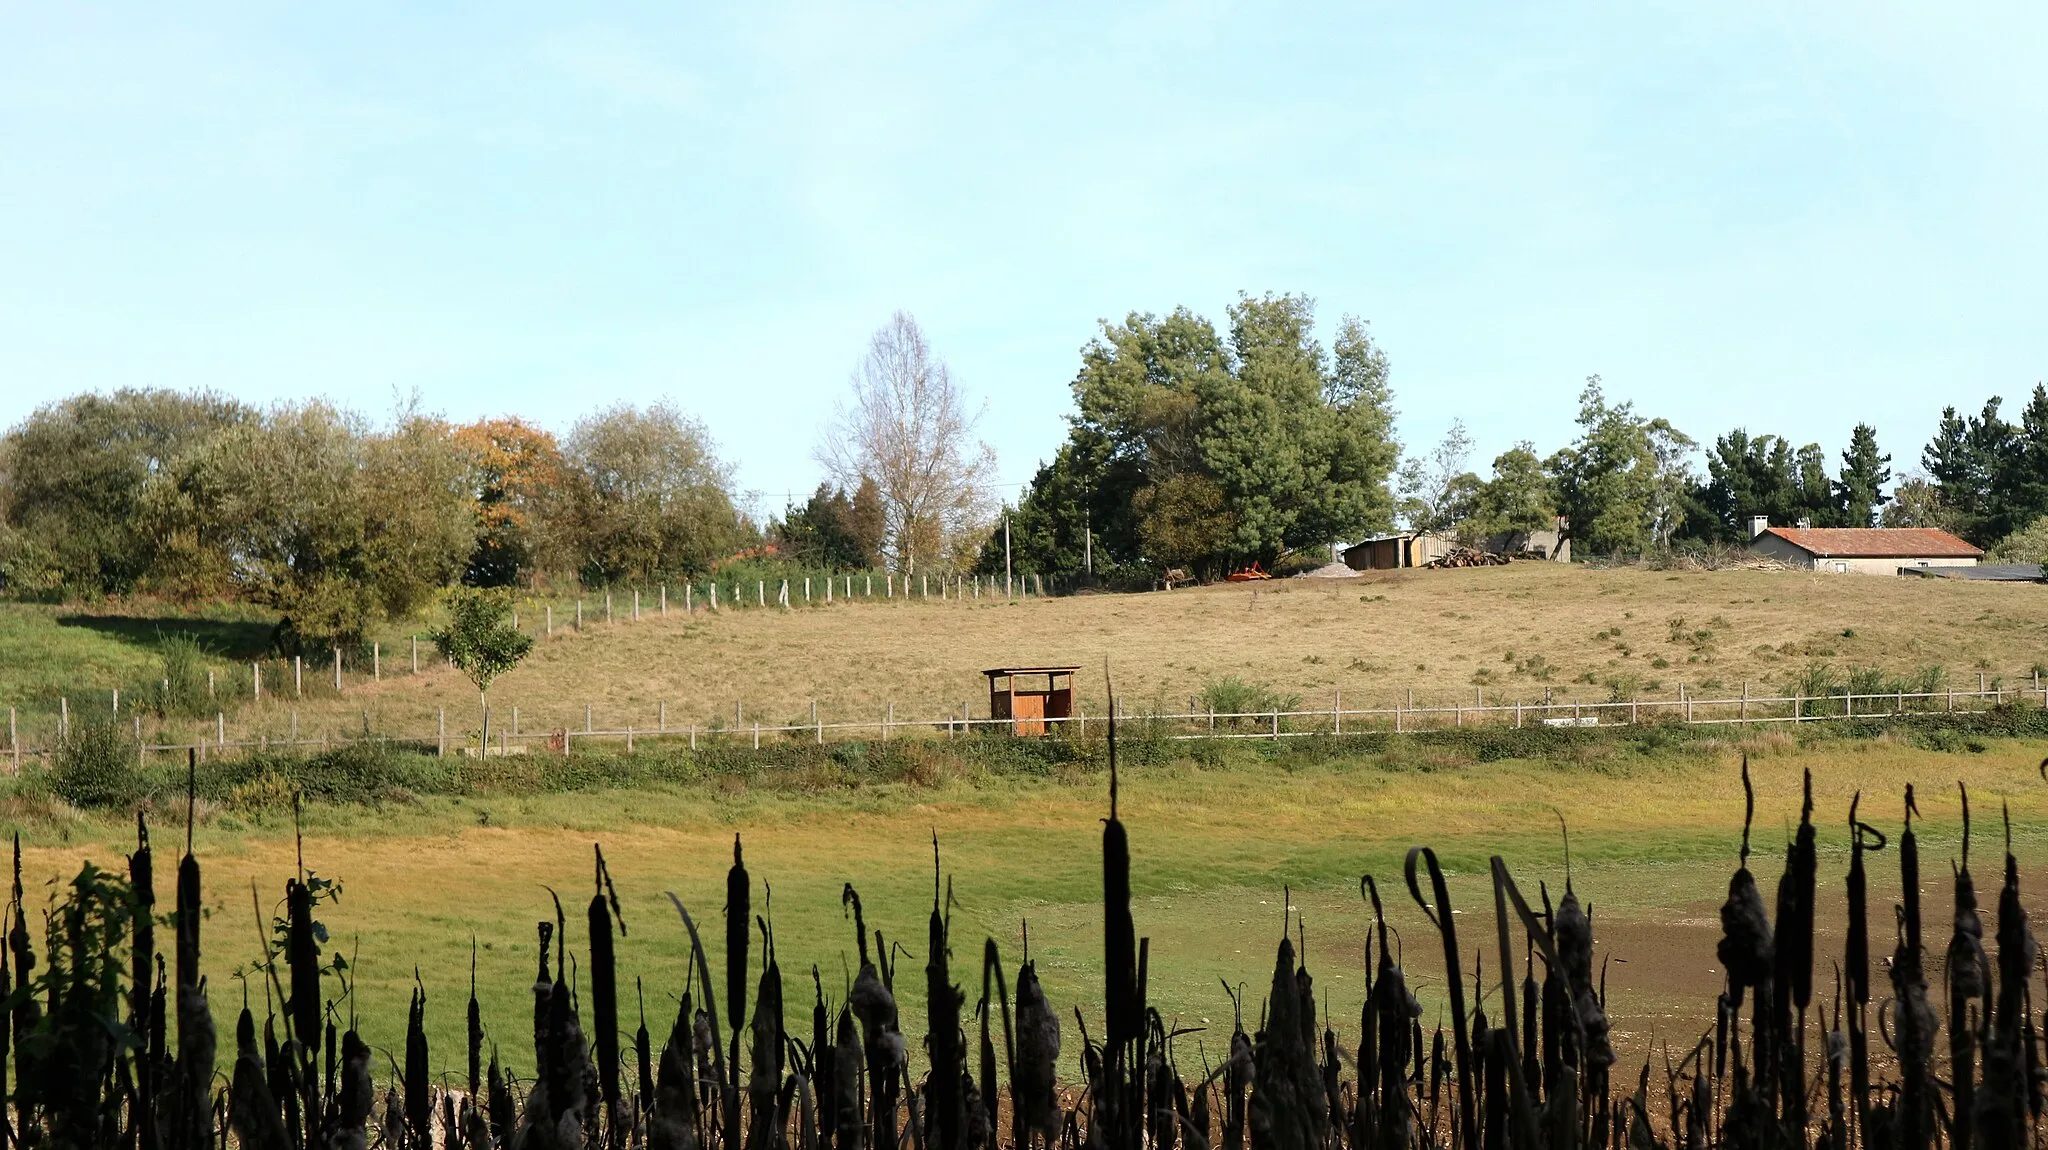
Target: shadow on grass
[(226, 638)]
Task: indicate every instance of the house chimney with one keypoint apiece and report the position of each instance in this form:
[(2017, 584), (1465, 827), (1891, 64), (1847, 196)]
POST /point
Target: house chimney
[(1758, 524)]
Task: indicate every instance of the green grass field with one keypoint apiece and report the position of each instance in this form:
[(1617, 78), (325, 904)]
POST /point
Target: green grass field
[(1653, 839)]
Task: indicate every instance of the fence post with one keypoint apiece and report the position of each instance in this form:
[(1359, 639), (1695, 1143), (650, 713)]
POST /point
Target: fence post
[(818, 723), (807, 588), (377, 661), (117, 702), (629, 738), (1745, 702), (441, 732), (607, 606), (220, 728), (636, 610), (661, 717), (871, 584), (209, 682), (256, 680), (299, 676), (63, 718), (924, 590), (1518, 715), (888, 720), (1848, 702), (761, 592), (1687, 700), (579, 614), (828, 588), (889, 585), (14, 740), (688, 606), (337, 668), (693, 736), (664, 600), (757, 734), (1337, 711), (416, 653), (1276, 722)]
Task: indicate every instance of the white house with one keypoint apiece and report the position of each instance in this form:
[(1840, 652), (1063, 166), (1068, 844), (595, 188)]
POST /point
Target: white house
[(1863, 550)]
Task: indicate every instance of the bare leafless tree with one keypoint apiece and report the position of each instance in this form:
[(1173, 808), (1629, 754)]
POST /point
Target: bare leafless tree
[(908, 429)]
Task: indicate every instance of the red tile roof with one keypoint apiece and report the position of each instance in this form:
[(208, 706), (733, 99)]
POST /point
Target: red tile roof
[(1877, 542)]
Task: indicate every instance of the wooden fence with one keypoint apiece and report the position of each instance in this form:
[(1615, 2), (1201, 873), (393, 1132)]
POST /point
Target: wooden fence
[(1195, 722)]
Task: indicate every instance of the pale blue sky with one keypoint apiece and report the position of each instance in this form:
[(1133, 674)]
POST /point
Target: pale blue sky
[(1792, 216)]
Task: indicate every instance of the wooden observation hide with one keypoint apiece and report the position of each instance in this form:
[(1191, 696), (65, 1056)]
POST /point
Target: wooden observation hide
[(1025, 704)]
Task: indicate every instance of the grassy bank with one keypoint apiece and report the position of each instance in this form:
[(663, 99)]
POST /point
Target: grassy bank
[(1516, 633)]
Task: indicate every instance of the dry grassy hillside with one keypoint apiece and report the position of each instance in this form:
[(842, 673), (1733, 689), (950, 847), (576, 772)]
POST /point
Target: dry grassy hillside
[(1515, 631)]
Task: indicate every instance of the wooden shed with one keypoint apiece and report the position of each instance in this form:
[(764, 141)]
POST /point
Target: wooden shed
[(1014, 693)]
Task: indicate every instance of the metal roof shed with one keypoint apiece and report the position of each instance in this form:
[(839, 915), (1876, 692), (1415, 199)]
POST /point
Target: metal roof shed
[(1030, 709)]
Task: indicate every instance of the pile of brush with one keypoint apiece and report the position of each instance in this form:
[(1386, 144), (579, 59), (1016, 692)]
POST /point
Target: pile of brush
[(91, 1062)]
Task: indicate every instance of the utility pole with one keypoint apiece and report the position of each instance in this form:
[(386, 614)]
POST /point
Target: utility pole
[(1006, 556)]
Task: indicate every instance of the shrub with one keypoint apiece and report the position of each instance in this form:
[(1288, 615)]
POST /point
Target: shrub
[(1231, 695), (96, 767), (182, 689)]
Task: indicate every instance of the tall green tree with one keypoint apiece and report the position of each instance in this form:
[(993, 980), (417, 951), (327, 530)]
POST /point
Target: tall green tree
[(73, 477), (1192, 449), (650, 495), (1764, 475), (280, 504), (1989, 473), (2019, 475), (1517, 499), (1621, 484), (830, 530), (420, 522), (1865, 471), (1436, 490)]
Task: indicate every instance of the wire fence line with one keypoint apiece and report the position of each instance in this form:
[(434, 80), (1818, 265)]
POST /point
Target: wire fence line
[(1193, 724)]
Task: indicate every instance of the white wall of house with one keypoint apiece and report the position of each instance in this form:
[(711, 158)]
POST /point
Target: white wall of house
[(1786, 551), (1886, 566)]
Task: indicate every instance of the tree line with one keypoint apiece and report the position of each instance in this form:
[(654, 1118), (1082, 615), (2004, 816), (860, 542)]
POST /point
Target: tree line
[(330, 519), (1211, 451), (1190, 446)]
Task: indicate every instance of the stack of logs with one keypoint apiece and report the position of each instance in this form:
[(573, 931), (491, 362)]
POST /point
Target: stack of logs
[(1466, 557)]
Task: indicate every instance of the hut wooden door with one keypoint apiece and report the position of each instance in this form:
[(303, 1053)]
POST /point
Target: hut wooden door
[(1029, 713)]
